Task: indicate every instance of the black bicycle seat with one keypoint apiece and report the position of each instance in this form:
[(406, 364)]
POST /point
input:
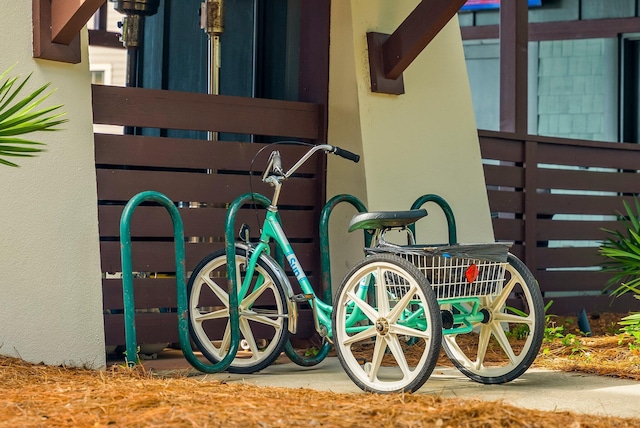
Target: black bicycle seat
[(385, 219)]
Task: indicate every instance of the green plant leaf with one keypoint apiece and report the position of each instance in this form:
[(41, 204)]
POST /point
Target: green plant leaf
[(632, 216), (21, 114)]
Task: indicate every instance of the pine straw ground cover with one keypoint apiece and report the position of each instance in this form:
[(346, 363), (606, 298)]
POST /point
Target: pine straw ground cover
[(38, 395)]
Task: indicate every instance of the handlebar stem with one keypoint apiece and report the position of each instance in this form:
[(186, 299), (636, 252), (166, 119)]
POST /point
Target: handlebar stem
[(303, 159)]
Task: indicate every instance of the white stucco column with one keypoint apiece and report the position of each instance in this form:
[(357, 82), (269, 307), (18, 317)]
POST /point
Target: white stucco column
[(50, 287), (424, 141)]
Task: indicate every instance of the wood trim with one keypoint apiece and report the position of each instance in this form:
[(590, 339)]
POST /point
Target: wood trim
[(415, 33), (379, 83), (561, 30), (530, 204), (389, 56), (68, 17), (43, 46), (513, 66), (152, 108)]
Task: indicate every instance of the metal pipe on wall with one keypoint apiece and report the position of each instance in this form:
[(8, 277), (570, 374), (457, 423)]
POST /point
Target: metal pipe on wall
[(212, 22), (132, 26)]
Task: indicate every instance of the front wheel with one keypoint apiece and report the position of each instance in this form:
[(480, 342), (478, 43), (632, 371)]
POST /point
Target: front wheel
[(262, 310), (505, 344), (386, 325)]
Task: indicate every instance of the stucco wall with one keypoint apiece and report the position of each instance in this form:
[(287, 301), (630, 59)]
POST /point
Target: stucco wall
[(424, 141), (50, 288)]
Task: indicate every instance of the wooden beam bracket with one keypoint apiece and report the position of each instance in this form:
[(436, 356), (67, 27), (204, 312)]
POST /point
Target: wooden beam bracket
[(379, 83), (390, 55), (57, 25)]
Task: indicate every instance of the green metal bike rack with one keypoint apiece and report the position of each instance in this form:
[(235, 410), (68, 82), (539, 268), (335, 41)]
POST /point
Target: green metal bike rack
[(325, 261), (326, 273), (183, 313), (446, 208)]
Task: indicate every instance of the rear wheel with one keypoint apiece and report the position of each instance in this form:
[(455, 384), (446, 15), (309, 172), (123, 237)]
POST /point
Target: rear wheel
[(505, 344), (386, 325), (263, 313)]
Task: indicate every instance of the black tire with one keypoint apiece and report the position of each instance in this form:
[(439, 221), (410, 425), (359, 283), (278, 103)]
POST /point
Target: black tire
[(263, 321), (517, 333), (414, 348)]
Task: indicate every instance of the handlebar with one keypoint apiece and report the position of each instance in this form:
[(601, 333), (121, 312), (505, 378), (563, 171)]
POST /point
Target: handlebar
[(275, 161), (346, 154)]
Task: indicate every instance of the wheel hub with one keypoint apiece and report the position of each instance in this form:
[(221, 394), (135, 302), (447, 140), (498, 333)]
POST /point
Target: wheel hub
[(382, 326), (486, 315)]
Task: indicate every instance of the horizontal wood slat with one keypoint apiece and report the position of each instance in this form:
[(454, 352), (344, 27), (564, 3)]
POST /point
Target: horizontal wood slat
[(591, 304), (572, 280), (508, 176), (150, 328), (567, 257), (588, 180), (511, 228), (121, 185), (590, 155), (201, 222), (506, 201), (136, 150), (147, 292), (574, 230), (549, 203), (159, 256), (502, 149), (150, 108)]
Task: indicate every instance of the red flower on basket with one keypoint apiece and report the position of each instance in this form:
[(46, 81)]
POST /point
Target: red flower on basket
[(472, 273)]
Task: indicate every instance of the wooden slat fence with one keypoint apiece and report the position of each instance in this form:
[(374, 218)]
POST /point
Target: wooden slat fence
[(552, 197), (202, 177)]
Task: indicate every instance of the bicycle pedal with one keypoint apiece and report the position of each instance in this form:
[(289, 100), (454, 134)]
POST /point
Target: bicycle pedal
[(302, 298)]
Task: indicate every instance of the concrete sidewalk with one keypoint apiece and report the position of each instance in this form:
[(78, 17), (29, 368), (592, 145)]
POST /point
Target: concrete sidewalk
[(536, 389)]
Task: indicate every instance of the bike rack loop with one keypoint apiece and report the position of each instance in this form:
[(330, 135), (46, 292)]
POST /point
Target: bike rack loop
[(183, 322), (446, 208), (231, 268), (325, 261)]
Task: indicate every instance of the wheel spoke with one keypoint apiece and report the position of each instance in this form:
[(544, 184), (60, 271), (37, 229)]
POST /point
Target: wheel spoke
[(503, 341), (359, 337), (500, 300), (398, 354), (403, 330), (402, 304), (251, 298), (247, 333), (382, 298), (366, 309), (513, 318), (376, 360), (483, 345), (217, 290), (226, 340), (213, 315), (262, 319)]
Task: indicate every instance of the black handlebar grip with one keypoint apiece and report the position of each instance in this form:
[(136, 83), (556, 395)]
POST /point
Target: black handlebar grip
[(346, 154)]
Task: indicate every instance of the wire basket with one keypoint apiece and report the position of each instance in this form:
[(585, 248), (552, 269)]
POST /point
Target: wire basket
[(462, 270)]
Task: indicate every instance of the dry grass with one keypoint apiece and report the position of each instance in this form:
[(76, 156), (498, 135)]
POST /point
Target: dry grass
[(37, 395), (606, 353)]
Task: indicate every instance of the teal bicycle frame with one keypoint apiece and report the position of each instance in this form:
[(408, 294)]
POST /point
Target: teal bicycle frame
[(272, 230)]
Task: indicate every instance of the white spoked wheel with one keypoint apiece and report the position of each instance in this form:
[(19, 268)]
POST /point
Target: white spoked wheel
[(263, 313), (386, 325), (506, 342)]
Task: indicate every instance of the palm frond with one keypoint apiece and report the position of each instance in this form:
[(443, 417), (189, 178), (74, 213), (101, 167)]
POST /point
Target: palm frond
[(19, 116)]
